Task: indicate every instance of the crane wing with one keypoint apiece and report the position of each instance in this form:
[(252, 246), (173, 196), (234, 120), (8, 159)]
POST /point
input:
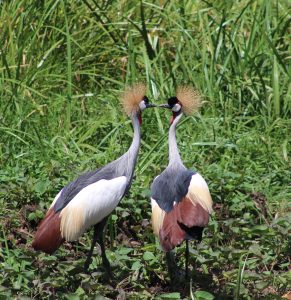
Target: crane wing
[(90, 206), (74, 187), (170, 187), (198, 192), (187, 216), (157, 217)]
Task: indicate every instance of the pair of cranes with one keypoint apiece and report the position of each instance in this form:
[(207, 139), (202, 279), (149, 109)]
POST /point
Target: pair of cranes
[(180, 198)]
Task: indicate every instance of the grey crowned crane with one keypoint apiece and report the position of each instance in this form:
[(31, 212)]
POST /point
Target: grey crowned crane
[(180, 198), (89, 200)]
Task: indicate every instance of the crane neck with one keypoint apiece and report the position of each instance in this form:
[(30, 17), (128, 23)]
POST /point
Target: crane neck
[(135, 144), (174, 156), (130, 157)]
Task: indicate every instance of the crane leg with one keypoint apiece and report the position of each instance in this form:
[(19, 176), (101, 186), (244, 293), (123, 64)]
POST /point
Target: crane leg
[(105, 261), (97, 236), (90, 253), (187, 260), (171, 265)]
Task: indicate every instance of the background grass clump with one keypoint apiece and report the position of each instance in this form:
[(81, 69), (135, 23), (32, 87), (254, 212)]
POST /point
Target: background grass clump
[(62, 66)]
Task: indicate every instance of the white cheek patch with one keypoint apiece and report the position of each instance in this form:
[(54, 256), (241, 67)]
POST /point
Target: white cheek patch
[(176, 107), (142, 106)]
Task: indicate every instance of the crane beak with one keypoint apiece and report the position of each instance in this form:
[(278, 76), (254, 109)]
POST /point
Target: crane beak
[(165, 106), (148, 105)]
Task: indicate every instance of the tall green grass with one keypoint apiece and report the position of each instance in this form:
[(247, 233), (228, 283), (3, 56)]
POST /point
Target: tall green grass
[(62, 67)]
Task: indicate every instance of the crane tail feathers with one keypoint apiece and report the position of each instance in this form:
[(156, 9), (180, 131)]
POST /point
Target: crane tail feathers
[(185, 221), (48, 235)]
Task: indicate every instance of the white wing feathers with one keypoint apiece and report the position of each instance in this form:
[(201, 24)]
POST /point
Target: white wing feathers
[(198, 192), (157, 217), (90, 206)]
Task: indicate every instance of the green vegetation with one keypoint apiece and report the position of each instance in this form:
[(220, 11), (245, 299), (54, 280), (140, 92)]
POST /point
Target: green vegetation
[(62, 66)]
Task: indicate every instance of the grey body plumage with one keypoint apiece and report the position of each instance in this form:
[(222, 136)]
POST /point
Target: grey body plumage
[(171, 186)]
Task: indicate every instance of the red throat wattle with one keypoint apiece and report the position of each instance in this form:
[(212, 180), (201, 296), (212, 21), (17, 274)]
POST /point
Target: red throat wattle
[(140, 119), (173, 117)]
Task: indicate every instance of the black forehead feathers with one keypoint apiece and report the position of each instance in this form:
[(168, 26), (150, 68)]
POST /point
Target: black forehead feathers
[(173, 100), (146, 99)]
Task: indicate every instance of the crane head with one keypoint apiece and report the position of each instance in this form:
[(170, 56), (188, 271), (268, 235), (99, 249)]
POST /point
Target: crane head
[(187, 100), (134, 100), (175, 105), (145, 103)]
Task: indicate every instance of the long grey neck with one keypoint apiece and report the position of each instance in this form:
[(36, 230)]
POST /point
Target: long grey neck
[(174, 156), (135, 144), (132, 153)]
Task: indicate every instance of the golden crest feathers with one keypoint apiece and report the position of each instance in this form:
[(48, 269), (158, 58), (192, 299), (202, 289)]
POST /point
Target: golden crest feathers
[(189, 98), (131, 97)]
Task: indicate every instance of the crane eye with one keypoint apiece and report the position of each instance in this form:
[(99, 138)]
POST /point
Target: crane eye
[(176, 107)]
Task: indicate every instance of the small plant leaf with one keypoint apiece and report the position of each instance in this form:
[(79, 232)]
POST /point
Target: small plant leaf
[(203, 295)]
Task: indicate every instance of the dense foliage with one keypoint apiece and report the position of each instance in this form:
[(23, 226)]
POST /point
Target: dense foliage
[(63, 64)]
